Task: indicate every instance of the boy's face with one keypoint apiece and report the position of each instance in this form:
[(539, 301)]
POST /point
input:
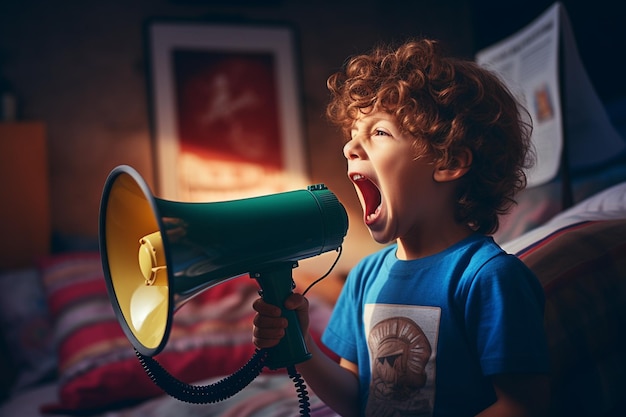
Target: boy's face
[(395, 186)]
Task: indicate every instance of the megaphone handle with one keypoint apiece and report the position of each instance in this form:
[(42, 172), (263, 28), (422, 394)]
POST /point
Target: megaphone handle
[(276, 284)]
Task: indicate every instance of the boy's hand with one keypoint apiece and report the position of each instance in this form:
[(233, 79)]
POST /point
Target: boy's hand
[(269, 325)]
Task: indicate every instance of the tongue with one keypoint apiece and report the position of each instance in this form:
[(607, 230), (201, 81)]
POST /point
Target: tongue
[(371, 198)]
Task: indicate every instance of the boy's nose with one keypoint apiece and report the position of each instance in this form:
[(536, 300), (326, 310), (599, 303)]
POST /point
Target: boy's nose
[(352, 150)]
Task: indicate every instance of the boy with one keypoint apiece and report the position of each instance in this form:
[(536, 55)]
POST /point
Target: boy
[(441, 322)]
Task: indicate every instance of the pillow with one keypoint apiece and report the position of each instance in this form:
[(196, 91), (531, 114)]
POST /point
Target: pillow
[(537, 205), (211, 336), (25, 325), (609, 204), (582, 268)]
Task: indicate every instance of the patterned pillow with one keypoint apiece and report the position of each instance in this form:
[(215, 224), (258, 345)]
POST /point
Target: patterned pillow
[(211, 336), (97, 364)]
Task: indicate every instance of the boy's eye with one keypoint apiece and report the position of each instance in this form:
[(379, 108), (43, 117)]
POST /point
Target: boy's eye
[(379, 132)]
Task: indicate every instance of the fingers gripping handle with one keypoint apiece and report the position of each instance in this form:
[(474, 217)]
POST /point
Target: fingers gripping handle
[(276, 285)]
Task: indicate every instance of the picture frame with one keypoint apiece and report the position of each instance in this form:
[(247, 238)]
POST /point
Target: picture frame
[(226, 111)]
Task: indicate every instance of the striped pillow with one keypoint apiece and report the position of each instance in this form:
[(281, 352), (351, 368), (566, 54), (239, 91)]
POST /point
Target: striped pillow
[(98, 368), (211, 336)]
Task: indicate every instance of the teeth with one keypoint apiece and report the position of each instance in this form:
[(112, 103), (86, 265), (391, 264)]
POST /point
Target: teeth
[(357, 177), (373, 215)]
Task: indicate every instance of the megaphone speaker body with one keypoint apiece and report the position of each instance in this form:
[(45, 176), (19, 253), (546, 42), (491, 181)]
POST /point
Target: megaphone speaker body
[(157, 254)]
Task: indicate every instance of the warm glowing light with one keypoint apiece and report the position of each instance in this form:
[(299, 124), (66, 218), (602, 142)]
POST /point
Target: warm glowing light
[(213, 180)]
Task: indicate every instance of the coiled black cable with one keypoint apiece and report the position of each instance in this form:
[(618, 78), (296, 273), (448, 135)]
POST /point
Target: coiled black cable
[(222, 389), (211, 393), (303, 394)]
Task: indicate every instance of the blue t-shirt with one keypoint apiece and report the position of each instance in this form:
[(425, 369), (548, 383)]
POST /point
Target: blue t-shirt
[(427, 333)]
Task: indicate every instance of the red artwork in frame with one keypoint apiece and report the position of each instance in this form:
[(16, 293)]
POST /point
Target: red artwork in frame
[(227, 106), (226, 109)]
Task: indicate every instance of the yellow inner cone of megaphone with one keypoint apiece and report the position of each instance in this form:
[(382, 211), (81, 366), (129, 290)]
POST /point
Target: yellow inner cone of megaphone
[(137, 262)]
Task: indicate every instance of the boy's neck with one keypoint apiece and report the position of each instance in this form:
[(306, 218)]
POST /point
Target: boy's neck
[(426, 244)]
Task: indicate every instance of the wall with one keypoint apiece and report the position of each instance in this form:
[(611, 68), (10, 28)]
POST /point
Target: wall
[(80, 67)]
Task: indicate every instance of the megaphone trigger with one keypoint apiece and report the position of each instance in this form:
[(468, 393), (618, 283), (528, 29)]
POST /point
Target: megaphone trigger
[(276, 285)]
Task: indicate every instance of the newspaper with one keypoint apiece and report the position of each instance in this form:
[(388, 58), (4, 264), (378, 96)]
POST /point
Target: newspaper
[(530, 64)]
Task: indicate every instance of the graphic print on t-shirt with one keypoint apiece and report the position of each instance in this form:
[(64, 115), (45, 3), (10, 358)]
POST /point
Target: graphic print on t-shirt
[(402, 343)]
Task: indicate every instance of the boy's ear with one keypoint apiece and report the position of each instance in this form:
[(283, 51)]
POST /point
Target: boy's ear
[(460, 164)]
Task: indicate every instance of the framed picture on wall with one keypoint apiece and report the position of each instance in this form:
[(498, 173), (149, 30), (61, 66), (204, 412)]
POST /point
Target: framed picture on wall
[(227, 120)]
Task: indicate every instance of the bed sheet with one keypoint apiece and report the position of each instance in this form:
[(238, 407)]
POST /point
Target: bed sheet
[(268, 395)]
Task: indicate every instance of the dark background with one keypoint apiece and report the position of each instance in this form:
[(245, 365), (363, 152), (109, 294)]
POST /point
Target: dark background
[(599, 28)]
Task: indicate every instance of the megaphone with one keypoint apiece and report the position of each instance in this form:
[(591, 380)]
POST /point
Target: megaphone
[(158, 254)]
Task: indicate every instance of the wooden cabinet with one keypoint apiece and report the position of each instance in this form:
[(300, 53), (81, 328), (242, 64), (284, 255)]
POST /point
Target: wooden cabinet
[(24, 194)]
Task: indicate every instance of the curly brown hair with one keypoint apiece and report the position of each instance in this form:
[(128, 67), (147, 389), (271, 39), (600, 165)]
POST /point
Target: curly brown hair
[(448, 105)]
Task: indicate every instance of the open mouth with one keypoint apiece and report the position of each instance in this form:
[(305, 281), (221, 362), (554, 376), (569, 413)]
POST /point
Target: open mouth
[(371, 197)]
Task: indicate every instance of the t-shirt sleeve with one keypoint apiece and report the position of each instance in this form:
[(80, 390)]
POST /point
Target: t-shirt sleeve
[(341, 333), (504, 318)]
